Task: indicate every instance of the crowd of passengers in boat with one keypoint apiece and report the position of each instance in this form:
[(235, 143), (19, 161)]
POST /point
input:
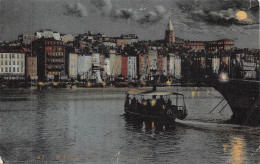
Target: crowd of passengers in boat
[(150, 106)]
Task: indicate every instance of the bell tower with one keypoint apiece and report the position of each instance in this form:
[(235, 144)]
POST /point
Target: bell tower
[(169, 35)]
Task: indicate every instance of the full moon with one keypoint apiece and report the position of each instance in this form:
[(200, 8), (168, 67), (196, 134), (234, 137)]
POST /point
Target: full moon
[(241, 15)]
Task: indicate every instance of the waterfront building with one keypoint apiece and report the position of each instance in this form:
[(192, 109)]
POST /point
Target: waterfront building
[(96, 59), (143, 64), (31, 67), (73, 65), (215, 65), (175, 66), (50, 58), (152, 60), (165, 66), (12, 65), (160, 63), (124, 66), (84, 66), (132, 68), (115, 64)]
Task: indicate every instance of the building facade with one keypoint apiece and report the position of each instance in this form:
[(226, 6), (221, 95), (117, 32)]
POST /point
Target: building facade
[(73, 65), (31, 67), (84, 66), (50, 58), (132, 68), (124, 66), (12, 65)]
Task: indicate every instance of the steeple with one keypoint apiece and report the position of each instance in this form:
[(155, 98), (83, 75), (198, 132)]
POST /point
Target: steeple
[(169, 35), (170, 26)]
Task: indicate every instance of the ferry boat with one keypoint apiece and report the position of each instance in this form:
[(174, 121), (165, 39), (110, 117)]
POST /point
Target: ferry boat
[(155, 105)]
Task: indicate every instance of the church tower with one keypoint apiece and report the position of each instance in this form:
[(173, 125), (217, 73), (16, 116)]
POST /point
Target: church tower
[(169, 35)]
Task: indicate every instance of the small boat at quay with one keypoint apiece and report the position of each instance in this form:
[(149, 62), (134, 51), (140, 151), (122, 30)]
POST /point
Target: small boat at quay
[(155, 105)]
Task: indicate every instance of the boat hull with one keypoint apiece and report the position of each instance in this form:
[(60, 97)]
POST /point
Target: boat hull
[(243, 99), (149, 117)]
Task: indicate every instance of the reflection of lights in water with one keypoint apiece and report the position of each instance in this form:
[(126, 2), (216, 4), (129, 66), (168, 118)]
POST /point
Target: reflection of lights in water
[(193, 94), (223, 77), (237, 150), (207, 91), (198, 93), (153, 102), (143, 127), (225, 148)]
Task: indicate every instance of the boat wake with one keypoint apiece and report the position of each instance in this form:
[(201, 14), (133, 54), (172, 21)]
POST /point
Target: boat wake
[(219, 127)]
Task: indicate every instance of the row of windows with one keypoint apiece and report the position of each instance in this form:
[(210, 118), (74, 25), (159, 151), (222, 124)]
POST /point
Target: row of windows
[(55, 54), (53, 73), (10, 56), (11, 70), (55, 60), (53, 48), (11, 62), (53, 43)]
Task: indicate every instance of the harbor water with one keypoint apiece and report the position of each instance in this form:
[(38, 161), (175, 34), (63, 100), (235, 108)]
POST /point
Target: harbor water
[(89, 126)]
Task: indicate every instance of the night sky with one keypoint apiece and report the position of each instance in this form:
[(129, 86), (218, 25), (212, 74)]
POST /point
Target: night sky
[(192, 19)]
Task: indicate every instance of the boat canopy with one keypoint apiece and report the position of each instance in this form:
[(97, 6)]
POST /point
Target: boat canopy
[(137, 91), (150, 93), (157, 93)]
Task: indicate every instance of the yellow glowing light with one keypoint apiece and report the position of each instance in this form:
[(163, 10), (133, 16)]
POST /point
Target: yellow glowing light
[(241, 15), (193, 94)]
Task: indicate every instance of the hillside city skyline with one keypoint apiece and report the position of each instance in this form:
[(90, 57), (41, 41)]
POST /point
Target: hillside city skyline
[(198, 20)]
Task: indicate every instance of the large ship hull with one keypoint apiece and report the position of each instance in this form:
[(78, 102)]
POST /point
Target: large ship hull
[(243, 99)]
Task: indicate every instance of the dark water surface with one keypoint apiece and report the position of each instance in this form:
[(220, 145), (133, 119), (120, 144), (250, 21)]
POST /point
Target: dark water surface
[(84, 126)]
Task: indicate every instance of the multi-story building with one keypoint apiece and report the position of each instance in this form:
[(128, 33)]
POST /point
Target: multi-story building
[(124, 66), (160, 63), (50, 58), (84, 66), (175, 66), (31, 67), (132, 68), (165, 66), (48, 34), (223, 44), (126, 39), (12, 65), (197, 45), (152, 60), (27, 38), (73, 65)]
